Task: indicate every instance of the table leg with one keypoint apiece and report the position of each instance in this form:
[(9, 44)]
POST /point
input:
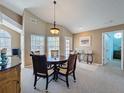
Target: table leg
[(55, 72)]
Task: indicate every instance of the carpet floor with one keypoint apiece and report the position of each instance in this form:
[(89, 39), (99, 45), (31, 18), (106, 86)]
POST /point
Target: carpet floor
[(90, 79)]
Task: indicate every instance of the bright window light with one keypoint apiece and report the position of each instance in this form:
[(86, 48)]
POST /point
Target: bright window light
[(118, 35), (53, 44), (5, 41), (38, 44)]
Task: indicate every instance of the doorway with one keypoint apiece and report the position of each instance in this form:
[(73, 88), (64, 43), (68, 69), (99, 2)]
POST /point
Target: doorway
[(112, 49)]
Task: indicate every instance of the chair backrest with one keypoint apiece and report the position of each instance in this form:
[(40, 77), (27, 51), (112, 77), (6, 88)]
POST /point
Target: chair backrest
[(75, 61), (32, 53), (71, 63), (39, 64), (37, 52)]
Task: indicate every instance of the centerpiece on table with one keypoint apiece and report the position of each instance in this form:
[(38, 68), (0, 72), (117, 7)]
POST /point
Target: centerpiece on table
[(3, 53)]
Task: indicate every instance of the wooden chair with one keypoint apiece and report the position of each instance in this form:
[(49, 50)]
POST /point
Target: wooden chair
[(70, 69), (32, 54), (41, 69)]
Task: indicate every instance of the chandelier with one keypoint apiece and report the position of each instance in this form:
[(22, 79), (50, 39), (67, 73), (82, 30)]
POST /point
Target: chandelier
[(54, 30)]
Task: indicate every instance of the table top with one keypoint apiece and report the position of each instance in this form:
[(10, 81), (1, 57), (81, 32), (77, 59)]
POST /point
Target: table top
[(53, 60), (56, 60)]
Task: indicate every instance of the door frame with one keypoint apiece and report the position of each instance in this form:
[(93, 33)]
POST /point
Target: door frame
[(104, 60), (122, 48)]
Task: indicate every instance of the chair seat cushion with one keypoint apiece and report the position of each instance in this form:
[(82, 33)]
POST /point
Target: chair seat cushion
[(49, 72), (63, 71)]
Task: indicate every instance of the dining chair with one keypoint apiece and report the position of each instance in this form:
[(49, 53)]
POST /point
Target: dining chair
[(70, 69), (32, 54), (41, 69)]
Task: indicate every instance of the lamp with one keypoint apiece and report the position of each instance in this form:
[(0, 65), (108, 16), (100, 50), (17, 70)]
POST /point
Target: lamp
[(54, 30), (118, 35)]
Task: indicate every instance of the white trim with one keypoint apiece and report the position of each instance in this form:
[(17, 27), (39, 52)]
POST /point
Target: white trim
[(122, 51), (8, 22), (28, 66), (102, 48), (98, 64)]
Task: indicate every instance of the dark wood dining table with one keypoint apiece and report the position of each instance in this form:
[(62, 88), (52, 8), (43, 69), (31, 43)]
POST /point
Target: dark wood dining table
[(56, 62)]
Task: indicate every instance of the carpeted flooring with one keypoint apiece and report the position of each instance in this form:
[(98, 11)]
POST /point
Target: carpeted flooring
[(90, 79)]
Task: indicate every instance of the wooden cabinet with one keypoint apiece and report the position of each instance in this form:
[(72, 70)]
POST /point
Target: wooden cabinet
[(10, 80)]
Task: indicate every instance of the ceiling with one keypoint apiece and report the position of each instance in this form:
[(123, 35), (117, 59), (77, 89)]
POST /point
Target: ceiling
[(76, 15)]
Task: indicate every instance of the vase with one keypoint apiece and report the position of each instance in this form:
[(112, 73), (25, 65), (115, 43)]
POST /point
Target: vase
[(3, 59)]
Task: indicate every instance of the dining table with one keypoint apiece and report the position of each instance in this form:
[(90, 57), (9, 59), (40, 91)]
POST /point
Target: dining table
[(56, 62)]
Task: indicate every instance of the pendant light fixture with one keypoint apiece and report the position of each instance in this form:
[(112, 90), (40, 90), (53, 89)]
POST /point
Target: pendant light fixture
[(54, 30)]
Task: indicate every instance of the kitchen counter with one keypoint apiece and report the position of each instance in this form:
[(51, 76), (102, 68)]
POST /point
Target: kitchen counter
[(13, 61), (10, 76)]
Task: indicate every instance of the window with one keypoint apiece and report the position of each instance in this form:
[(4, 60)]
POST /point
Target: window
[(53, 44), (67, 51), (38, 43), (5, 41), (68, 45)]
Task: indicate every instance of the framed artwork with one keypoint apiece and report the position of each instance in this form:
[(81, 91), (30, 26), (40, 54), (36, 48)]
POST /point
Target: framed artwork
[(85, 41)]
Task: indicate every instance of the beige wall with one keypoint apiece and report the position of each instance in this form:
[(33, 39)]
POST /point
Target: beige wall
[(15, 37), (96, 40), (29, 27), (39, 27), (11, 14)]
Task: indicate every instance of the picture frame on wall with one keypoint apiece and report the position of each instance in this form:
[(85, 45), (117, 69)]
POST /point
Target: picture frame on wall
[(85, 41)]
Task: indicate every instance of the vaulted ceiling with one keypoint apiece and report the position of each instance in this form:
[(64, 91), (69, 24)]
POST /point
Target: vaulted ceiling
[(76, 15)]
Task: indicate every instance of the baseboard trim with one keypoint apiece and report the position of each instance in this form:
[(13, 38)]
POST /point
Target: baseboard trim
[(97, 64), (27, 66)]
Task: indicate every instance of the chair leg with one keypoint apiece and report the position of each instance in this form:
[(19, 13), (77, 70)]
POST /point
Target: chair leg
[(35, 82), (74, 77), (67, 83), (46, 83)]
